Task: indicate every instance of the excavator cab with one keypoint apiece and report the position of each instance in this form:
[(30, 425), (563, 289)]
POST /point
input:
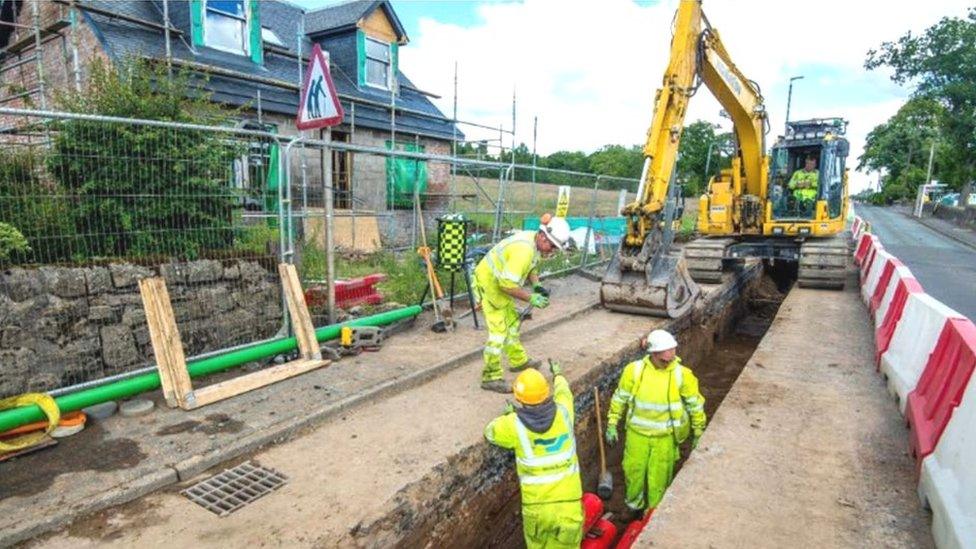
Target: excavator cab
[(820, 141)]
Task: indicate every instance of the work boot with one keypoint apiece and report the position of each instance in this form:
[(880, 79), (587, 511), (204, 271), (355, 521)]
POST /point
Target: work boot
[(530, 363), (496, 385)]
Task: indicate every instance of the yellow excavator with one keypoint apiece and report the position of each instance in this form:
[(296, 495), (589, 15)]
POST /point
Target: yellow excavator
[(752, 209)]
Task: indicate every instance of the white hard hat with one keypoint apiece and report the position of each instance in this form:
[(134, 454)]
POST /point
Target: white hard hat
[(660, 340), (557, 231)]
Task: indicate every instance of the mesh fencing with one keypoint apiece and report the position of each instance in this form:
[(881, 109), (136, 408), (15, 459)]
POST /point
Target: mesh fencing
[(89, 206)]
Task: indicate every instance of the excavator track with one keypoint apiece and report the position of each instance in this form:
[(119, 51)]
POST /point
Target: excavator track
[(704, 256), (823, 263)]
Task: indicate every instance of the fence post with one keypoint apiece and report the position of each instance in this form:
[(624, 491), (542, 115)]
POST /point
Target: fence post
[(329, 225), (589, 223)]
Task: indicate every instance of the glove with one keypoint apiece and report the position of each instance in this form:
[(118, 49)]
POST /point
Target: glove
[(540, 289), (555, 369), (612, 435), (509, 409), (538, 301)]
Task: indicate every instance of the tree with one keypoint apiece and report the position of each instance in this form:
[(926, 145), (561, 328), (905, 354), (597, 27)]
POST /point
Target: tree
[(618, 161), (698, 140), (941, 64)]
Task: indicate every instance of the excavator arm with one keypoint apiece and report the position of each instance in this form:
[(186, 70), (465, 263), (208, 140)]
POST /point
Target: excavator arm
[(643, 277)]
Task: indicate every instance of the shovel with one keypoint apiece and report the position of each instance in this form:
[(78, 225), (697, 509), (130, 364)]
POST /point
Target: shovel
[(604, 488), (443, 315)]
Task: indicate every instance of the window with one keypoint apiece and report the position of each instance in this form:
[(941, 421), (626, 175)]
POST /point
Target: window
[(225, 26), (270, 37), (377, 63)]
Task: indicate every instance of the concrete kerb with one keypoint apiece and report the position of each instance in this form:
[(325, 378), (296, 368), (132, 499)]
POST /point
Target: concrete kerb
[(284, 429)]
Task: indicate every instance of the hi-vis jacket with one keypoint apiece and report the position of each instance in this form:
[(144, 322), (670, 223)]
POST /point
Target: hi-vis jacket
[(546, 463), (661, 402), (507, 265)]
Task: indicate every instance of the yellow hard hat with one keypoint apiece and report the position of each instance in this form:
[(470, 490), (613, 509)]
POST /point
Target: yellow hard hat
[(531, 387)]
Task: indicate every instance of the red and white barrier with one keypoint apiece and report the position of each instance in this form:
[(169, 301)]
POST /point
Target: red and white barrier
[(949, 477), (940, 389), (893, 272), (870, 281), (912, 342), (893, 314), (872, 253), (864, 243), (856, 228)]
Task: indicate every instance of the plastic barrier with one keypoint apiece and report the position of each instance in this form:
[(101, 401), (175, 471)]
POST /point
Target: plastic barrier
[(348, 293), (855, 228), (913, 340), (863, 245), (633, 531), (870, 281), (886, 285), (891, 314), (600, 536), (869, 257), (592, 510), (941, 386), (948, 481)]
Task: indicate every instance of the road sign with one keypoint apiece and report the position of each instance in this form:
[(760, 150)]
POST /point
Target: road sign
[(318, 104), (562, 203)]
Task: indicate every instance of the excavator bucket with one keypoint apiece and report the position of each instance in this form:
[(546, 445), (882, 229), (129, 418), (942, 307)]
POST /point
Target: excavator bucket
[(659, 287)]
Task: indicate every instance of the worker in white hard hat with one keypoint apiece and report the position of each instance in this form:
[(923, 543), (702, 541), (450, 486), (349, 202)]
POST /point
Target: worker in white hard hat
[(663, 406), (499, 279)]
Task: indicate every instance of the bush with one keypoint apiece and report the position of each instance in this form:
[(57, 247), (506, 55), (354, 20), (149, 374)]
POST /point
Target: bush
[(144, 190), (11, 242)]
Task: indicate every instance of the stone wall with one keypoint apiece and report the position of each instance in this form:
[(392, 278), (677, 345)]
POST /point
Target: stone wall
[(65, 325), (964, 217)]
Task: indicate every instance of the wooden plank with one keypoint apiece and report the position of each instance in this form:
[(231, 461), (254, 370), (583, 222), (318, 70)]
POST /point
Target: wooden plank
[(301, 321), (256, 380), (165, 337), (361, 234)]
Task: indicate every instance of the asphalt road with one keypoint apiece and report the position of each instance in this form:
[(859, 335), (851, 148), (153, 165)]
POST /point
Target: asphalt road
[(944, 267)]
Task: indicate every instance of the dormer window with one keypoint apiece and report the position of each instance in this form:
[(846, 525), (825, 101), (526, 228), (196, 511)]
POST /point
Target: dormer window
[(378, 63), (270, 37), (226, 26)]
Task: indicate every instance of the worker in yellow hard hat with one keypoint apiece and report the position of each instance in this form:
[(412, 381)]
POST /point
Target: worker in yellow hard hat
[(664, 407), (540, 431), (498, 281)]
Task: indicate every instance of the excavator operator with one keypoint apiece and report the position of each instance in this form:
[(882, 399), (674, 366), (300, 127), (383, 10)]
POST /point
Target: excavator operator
[(803, 183)]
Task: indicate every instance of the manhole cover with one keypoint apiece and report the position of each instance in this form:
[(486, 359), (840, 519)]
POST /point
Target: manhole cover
[(234, 488)]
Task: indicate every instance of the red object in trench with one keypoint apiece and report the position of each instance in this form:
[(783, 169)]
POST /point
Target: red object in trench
[(600, 536), (633, 531), (592, 509), (348, 293)]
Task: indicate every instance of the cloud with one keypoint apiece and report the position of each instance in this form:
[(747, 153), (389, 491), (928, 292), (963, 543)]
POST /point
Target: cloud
[(589, 71)]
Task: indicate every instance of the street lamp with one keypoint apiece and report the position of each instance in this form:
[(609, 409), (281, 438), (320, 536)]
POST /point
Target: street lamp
[(789, 97)]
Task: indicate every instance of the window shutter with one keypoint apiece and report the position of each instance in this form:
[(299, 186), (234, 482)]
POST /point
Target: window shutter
[(361, 57), (257, 44), (196, 22)]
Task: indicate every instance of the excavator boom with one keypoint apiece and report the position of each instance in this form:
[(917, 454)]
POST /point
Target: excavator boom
[(646, 276)]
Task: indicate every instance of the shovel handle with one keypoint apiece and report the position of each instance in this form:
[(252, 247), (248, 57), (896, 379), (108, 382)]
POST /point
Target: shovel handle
[(599, 429)]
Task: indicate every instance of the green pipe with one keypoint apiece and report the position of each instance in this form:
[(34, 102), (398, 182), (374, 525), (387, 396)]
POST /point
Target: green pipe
[(10, 419)]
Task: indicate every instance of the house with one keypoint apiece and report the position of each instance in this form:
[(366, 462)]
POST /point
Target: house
[(252, 52)]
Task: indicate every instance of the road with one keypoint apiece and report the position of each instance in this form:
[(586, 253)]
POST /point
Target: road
[(945, 268)]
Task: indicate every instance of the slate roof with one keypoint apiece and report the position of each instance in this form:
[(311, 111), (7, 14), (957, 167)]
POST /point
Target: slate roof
[(123, 39)]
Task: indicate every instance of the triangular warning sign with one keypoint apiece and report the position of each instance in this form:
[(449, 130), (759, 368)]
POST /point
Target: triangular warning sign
[(318, 105)]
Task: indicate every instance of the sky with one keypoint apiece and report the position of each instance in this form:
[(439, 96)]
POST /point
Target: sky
[(588, 70)]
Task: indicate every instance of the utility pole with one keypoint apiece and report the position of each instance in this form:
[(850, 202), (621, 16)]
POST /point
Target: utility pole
[(789, 98)]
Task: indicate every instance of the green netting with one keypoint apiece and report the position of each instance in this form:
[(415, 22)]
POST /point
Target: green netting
[(403, 174)]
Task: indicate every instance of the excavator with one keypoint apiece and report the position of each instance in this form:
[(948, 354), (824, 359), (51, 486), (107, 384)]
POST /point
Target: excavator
[(749, 209)]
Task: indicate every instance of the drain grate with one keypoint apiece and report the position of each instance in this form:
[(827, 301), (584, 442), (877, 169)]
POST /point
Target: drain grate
[(234, 488)]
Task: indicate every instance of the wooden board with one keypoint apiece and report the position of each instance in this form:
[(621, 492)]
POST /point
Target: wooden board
[(361, 234), (308, 345), (376, 25), (167, 346), (256, 380)]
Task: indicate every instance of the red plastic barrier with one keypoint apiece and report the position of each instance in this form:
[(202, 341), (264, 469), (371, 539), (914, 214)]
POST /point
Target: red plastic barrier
[(873, 250), (862, 248), (600, 536), (592, 510), (633, 531), (886, 329), (941, 386), (883, 282), (348, 293)]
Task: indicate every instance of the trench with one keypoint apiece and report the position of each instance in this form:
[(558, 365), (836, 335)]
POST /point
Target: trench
[(473, 499)]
